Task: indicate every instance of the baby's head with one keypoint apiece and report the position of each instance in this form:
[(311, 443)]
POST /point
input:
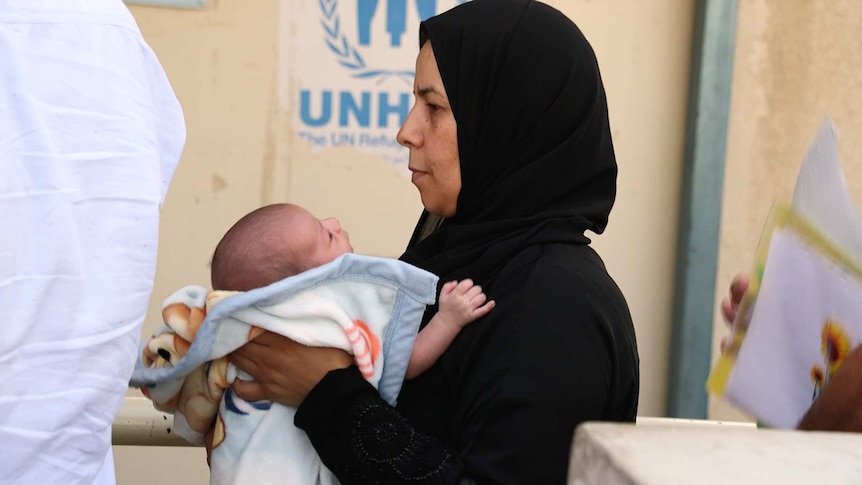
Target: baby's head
[(272, 243)]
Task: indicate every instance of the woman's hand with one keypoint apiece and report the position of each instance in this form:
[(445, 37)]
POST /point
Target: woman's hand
[(284, 371)]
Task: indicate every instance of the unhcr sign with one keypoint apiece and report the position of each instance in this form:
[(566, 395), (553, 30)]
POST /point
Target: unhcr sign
[(347, 70)]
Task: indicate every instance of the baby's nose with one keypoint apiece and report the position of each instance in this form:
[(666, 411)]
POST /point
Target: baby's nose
[(333, 224)]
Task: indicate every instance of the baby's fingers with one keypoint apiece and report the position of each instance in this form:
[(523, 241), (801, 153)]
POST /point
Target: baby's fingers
[(448, 287), (475, 300), (473, 293), (484, 309), (464, 286)]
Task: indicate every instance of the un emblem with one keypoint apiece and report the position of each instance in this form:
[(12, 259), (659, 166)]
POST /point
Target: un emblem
[(349, 52)]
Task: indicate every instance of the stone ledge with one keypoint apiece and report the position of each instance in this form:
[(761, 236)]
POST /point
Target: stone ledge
[(625, 454)]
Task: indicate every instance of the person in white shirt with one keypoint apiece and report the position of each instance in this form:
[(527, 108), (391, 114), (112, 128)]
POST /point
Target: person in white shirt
[(90, 135)]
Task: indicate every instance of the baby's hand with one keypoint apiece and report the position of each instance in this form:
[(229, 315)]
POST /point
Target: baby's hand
[(462, 302)]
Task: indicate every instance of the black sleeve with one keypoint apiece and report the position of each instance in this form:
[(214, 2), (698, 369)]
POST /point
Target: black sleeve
[(364, 440)]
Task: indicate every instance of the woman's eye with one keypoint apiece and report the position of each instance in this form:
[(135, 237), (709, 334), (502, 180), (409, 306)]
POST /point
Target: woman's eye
[(432, 107)]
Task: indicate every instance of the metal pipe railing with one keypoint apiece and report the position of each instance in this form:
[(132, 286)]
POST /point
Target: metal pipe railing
[(139, 424)]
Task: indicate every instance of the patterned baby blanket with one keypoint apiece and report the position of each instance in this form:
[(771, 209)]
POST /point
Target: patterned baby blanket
[(368, 306)]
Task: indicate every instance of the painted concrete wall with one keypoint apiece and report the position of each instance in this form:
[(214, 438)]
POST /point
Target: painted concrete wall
[(796, 62), (223, 61)]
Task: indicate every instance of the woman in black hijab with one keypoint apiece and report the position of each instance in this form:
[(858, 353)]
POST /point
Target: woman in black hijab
[(511, 151)]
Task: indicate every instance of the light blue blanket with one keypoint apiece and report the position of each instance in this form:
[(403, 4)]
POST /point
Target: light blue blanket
[(323, 306)]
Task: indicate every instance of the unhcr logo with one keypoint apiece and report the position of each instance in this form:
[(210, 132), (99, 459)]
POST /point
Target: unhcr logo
[(354, 82), (347, 54)]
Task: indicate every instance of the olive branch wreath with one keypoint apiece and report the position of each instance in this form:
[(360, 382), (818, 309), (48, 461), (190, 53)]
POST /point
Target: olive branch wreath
[(347, 55)]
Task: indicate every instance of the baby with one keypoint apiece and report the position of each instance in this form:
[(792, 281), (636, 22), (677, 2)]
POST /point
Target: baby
[(282, 240), (263, 248)]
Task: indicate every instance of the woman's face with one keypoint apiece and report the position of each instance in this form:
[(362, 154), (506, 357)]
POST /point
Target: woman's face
[(430, 132)]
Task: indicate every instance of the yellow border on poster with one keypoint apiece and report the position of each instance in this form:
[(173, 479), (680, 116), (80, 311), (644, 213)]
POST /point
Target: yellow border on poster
[(781, 218)]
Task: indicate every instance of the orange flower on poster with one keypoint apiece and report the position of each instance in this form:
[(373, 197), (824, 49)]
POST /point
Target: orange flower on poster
[(817, 375), (834, 345)]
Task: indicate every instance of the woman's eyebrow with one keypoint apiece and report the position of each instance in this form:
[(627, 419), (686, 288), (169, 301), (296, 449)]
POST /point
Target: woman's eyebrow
[(425, 91)]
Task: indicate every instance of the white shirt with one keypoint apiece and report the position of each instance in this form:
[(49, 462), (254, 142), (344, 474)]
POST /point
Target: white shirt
[(90, 134)]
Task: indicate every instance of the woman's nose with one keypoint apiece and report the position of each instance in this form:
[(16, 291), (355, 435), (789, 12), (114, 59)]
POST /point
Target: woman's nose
[(408, 135)]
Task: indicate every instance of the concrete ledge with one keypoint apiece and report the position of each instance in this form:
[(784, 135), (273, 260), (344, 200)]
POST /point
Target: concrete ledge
[(625, 454)]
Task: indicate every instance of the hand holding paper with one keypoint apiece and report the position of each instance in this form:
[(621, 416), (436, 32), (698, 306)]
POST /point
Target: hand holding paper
[(802, 314)]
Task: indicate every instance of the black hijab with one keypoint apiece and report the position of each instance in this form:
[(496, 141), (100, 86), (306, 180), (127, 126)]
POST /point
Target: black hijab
[(537, 160)]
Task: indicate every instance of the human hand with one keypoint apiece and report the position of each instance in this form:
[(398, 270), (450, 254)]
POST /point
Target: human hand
[(730, 304), (284, 371), (837, 408), (462, 302)]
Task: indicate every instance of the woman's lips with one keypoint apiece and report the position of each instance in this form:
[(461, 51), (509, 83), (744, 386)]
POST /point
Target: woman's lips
[(417, 174)]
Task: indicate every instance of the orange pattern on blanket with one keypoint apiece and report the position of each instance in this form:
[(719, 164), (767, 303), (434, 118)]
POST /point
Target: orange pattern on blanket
[(366, 347), (219, 432), (185, 321)]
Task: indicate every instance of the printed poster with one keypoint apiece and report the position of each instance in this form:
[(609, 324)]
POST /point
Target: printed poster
[(346, 70)]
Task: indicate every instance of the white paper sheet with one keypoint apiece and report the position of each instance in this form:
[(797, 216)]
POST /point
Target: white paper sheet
[(805, 307), (822, 196)]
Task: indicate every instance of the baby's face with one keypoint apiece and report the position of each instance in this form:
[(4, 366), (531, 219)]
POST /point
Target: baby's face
[(322, 240)]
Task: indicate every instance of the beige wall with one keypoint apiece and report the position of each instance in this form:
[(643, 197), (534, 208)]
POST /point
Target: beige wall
[(796, 62), (643, 50), (223, 63)]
